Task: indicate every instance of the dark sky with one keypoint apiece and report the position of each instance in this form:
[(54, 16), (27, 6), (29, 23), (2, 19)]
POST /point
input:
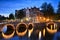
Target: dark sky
[(9, 6)]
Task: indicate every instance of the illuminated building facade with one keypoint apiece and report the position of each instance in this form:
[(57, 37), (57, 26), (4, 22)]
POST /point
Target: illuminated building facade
[(32, 14)]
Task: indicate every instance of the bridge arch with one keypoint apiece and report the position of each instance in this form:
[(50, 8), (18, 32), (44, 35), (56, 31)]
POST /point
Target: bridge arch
[(10, 30), (51, 27), (21, 29), (30, 29)]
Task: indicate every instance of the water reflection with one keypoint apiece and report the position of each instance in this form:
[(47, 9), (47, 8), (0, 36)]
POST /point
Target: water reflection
[(40, 35), (17, 38), (8, 31), (57, 36), (33, 36), (37, 35)]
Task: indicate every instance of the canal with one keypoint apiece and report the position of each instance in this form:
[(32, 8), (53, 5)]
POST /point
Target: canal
[(37, 34)]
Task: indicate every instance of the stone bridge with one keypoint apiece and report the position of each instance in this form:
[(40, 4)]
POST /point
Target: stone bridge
[(21, 28)]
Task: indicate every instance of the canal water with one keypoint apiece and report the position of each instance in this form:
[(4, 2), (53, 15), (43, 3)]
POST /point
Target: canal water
[(48, 36), (55, 36)]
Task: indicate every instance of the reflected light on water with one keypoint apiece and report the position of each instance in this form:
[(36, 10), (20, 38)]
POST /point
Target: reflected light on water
[(21, 33), (7, 36), (39, 35), (51, 31), (30, 32), (53, 28), (43, 32)]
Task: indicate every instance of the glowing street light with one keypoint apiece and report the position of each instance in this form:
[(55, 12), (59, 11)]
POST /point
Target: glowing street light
[(27, 19), (47, 19), (40, 17), (43, 18)]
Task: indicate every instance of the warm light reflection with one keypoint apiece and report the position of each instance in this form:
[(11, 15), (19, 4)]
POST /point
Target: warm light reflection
[(43, 32), (8, 36), (21, 33), (52, 30), (30, 32), (39, 35), (51, 27)]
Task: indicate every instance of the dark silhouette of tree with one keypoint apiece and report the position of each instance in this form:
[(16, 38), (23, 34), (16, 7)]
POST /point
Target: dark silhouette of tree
[(44, 8), (57, 16), (50, 10), (2, 17), (20, 14), (11, 16), (58, 11)]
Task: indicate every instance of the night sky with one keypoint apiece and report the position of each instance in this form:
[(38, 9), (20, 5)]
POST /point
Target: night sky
[(9, 6)]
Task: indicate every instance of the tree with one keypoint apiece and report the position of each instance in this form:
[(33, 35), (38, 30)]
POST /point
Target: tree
[(50, 10), (20, 14), (57, 16), (58, 11), (11, 16), (2, 17), (44, 8)]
